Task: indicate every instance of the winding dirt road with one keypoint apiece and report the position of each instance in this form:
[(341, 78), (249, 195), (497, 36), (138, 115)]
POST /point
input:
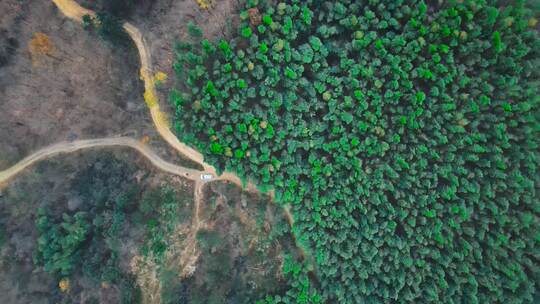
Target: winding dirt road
[(74, 11), (68, 147)]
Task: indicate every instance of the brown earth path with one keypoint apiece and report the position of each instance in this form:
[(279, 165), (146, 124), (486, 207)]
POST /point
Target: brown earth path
[(68, 147), (73, 10)]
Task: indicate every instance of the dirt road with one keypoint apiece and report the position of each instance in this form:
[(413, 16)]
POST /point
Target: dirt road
[(74, 11), (67, 147)]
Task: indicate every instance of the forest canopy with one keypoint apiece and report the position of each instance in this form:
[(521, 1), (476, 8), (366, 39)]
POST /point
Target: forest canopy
[(404, 135)]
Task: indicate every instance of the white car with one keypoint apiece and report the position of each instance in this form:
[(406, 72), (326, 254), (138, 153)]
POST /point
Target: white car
[(206, 177)]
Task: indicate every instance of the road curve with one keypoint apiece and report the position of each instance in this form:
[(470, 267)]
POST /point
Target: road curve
[(73, 10), (67, 147), (158, 116)]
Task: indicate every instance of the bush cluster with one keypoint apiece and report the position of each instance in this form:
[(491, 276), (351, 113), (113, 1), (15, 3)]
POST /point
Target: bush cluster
[(59, 245), (161, 210), (404, 135), (85, 244), (108, 27)]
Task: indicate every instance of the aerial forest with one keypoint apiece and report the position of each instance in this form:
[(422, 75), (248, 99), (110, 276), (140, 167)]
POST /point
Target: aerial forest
[(404, 136)]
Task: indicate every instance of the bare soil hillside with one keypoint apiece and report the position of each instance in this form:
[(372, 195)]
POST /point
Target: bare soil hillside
[(58, 82)]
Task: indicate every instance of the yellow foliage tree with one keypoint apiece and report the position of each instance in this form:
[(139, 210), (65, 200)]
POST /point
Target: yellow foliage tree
[(40, 46), (150, 98), (145, 139), (160, 77), (204, 4), (64, 285)]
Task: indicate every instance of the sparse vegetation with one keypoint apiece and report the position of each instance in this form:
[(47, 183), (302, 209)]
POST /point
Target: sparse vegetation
[(161, 211), (239, 260), (106, 232), (86, 242)]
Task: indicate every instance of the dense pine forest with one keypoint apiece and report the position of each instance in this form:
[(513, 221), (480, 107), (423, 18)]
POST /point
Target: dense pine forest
[(403, 134)]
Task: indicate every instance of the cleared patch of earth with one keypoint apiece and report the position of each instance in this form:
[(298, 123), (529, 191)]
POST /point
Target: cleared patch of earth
[(242, 243)]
